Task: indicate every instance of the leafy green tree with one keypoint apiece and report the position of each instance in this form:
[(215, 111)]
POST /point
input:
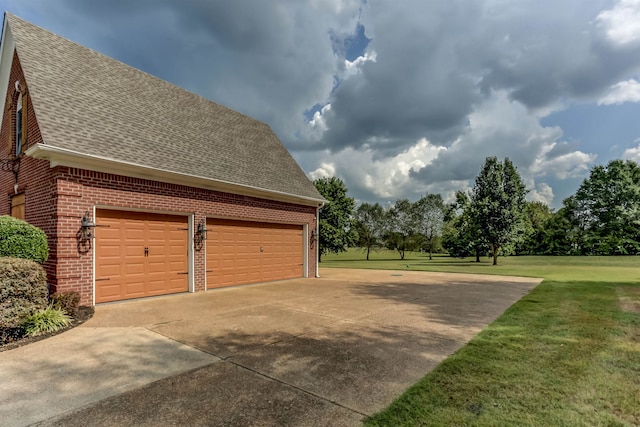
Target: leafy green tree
[(461, 236), (606, 208), (537, 216), (560, 235), (369, 223), (429, 211), (336, 231), (498, 204), (402, 223)]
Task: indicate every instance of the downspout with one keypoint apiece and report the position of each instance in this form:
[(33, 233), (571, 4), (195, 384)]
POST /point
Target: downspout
[(318, 239)]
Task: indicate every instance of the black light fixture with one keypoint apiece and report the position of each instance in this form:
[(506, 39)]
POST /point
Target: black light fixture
[(86, 227), (201, 231), (313, 237)]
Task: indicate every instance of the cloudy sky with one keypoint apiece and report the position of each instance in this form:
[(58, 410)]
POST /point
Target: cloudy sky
[(397, 98)]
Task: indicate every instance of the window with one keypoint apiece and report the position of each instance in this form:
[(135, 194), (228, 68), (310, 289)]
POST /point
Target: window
[(19, 126), (18, 206)]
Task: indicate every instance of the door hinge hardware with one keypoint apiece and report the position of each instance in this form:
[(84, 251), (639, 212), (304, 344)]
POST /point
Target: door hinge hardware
[(103, 279), (183, 272)]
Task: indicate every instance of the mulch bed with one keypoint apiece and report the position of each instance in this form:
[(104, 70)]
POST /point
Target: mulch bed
[(14, 337)]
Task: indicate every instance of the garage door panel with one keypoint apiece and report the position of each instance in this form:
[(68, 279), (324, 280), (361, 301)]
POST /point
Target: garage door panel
[(240, 252), (131, 268), (121, 240)]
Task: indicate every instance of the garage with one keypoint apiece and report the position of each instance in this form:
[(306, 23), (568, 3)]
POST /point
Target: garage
[(243, 252), (140, 254)]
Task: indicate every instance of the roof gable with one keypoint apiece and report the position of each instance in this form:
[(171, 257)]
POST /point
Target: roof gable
[(93, 106)]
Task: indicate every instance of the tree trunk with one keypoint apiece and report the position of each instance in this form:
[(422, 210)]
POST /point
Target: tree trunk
[(368, 249), (477, 255), (494, 251), (430, 253), (319, 257)]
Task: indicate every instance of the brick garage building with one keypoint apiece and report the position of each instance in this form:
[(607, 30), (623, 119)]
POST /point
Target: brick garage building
[(88, 140)]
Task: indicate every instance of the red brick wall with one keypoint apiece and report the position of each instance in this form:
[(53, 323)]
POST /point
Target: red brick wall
[(35, 178), (79, 190), (57, 198)]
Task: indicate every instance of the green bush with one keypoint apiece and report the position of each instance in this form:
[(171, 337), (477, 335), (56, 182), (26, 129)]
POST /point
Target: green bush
[(44, 321), (67, 302), (23, 290), (20, 239)]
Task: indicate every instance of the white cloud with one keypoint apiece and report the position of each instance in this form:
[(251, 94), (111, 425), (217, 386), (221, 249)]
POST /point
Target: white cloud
[(505, 128), (565, 166), (354, 67), (632, 153), (325, 170), (542, 193), (622, 23), (317, 121), (382, 177), (625, 91)]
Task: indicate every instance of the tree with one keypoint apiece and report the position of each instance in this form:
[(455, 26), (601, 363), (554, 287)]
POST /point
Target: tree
[(429, 212), (560, 236), (369, 223), (401, 226), (498, 204), (335, 221), (461, 236), (537, 216), (606, 208)]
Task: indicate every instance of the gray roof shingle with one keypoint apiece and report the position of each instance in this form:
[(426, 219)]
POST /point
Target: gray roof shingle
[(91, 104)]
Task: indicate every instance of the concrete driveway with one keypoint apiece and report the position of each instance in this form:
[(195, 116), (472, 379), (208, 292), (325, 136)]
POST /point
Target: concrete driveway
[(314, 352)]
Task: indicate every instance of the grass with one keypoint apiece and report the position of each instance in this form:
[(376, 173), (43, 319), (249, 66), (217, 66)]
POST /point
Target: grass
[(594, 268), (566, 354)]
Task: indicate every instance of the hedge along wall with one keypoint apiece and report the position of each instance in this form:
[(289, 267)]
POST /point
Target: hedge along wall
[(23, 290)]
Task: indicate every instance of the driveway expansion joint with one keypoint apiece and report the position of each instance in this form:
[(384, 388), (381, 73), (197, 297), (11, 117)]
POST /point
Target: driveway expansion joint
[(295, 387)]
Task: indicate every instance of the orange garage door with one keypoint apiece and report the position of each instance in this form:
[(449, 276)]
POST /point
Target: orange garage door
[(140, 254), (242, 252)]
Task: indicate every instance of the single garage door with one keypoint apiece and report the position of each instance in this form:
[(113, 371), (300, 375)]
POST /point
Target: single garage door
[(140, 254), (242, 252)]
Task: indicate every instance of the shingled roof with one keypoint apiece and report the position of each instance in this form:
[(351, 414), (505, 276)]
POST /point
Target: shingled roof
[(103, 111)]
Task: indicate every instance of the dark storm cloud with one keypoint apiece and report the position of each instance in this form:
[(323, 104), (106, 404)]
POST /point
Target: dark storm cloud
[(269, 59), (472, 76), (437, 60)]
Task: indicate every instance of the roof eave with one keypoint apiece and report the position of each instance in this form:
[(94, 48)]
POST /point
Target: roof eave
[(64, 157)]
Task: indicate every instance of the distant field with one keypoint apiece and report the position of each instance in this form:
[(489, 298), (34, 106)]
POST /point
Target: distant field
[(623, 268), (566, 354)]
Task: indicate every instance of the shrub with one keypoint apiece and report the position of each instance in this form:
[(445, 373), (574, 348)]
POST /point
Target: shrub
[(23, 290), (67, 302), (46, 320), (20, 239)]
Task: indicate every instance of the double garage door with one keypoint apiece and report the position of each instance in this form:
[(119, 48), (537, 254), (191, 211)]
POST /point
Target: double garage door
[(141, 254)]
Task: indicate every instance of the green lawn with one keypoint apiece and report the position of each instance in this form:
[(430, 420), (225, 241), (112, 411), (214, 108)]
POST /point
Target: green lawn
[(567, 354)]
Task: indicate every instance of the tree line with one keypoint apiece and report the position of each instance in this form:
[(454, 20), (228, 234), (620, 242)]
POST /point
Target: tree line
[(494, 219)]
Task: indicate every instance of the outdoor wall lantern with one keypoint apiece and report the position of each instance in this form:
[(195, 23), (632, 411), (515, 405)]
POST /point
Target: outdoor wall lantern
[(313, 237), (86, 227), (201, 232)]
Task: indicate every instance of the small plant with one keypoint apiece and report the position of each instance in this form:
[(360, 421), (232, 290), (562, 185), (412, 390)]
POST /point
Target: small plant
[(45, 321), (67, 302)]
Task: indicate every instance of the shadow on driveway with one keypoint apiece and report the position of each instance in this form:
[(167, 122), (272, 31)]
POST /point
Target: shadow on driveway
[(327, 351)]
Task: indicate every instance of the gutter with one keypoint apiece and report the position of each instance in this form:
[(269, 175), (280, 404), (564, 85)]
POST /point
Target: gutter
[(65, 157), (318, 239)]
